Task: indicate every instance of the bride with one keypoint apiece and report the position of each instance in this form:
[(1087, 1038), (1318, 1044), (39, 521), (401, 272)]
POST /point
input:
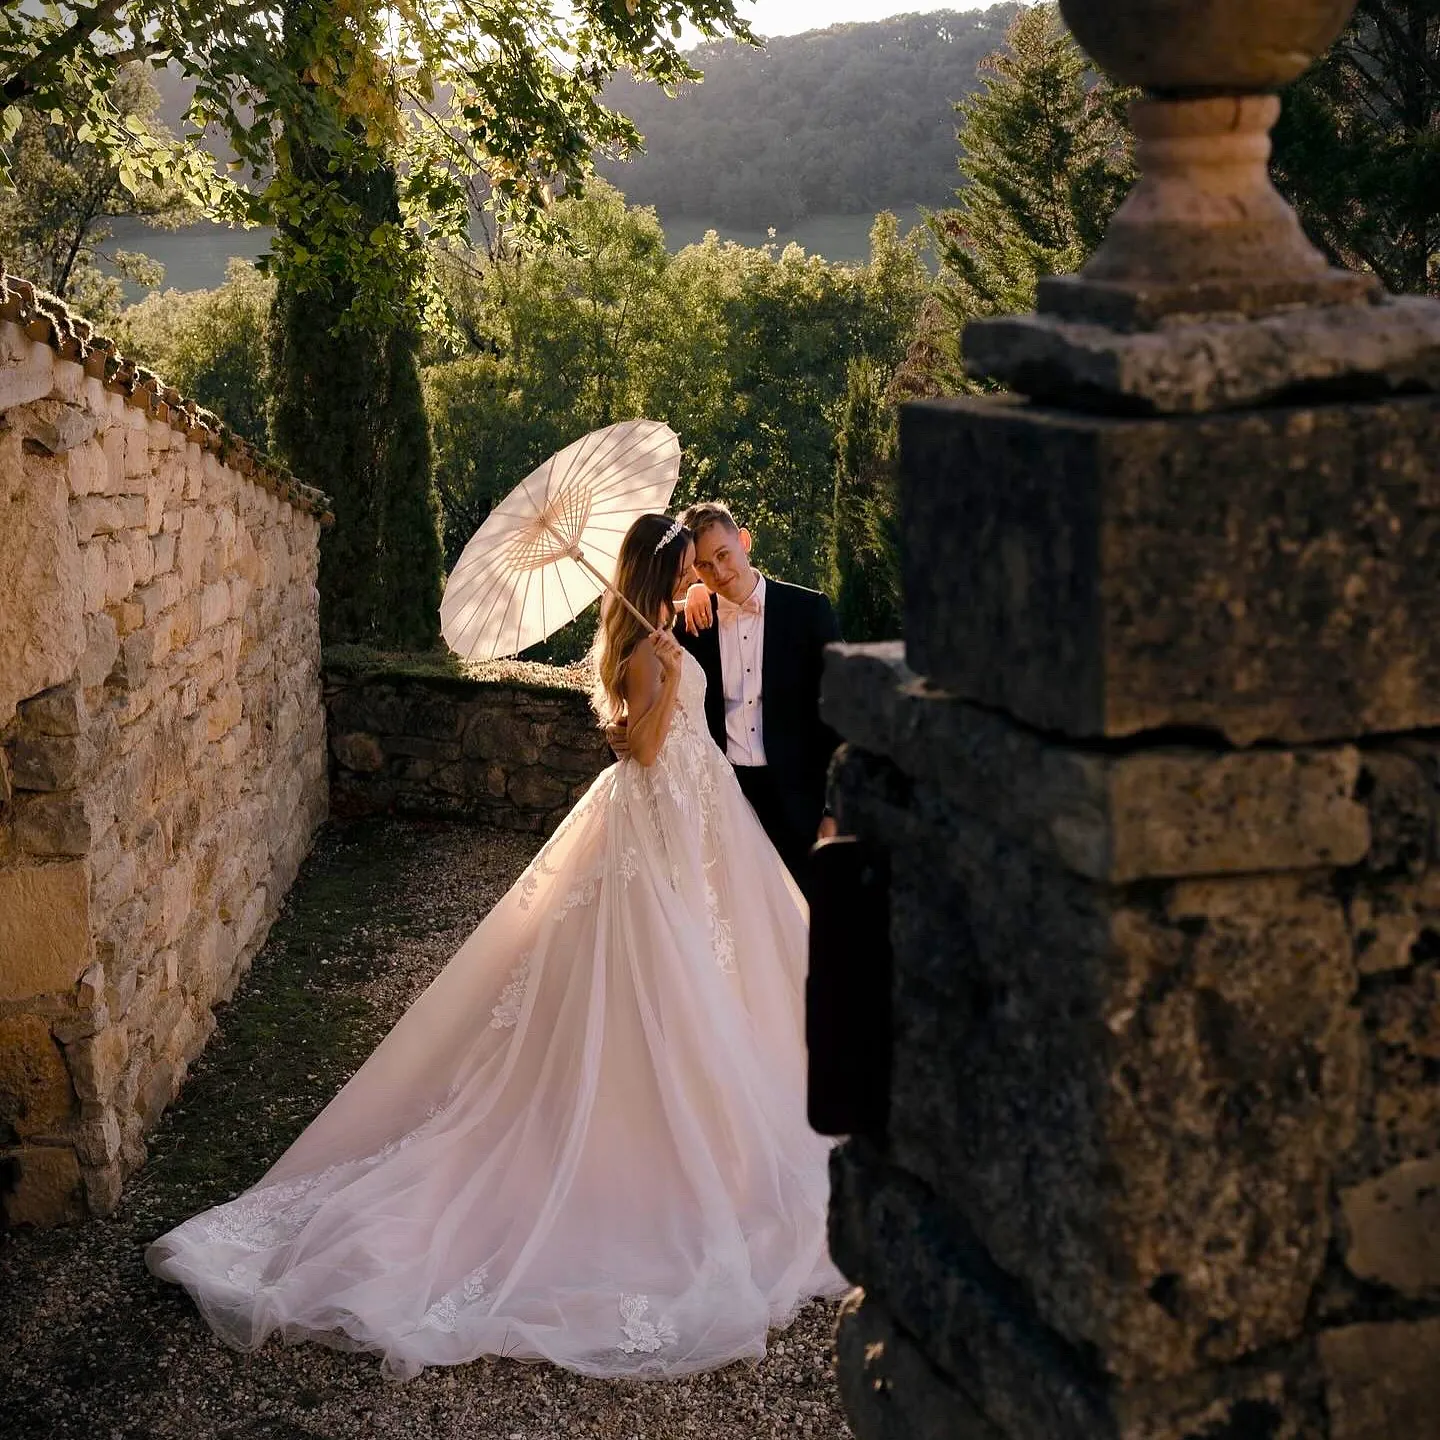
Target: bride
[(586, 1141)]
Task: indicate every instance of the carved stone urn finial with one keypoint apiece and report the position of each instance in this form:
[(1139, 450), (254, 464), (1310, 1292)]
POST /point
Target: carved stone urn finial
[(1204, 231), (1197, 48)]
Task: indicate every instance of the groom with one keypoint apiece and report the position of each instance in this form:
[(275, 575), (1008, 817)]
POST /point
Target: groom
[(762, 647)]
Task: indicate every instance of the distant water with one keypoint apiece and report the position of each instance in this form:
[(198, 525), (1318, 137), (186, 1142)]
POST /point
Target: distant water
[(194, 256)]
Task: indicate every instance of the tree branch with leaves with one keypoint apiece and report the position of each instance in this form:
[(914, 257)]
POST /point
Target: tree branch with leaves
[(438, 90), (1357, 146)]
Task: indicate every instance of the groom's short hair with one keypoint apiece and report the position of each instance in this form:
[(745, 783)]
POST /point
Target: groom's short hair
[(700, 517)]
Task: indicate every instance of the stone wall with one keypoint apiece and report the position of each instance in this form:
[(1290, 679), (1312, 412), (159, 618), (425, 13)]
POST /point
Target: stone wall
[(1163, 1153), (1156, 781), (162, 752), (499, 751)]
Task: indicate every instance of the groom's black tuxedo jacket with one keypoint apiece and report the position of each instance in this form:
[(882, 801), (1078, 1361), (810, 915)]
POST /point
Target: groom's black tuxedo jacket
[(799, 624)]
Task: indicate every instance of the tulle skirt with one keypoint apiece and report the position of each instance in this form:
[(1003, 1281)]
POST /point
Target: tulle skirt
[(586, 1142)]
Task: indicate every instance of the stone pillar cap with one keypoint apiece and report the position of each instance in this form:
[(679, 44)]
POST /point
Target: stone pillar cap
[(1307, 353)]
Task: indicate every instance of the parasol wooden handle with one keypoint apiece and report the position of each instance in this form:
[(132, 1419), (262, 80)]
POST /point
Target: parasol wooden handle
[(578, 556)]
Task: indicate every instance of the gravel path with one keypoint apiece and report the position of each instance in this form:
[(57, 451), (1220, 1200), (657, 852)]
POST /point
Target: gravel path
[(91, 1345)]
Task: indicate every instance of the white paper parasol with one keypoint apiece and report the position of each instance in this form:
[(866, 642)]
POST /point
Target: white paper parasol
[(550, 546)]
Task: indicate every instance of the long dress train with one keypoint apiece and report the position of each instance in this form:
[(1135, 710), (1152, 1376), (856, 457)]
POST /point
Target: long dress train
[(586, 1141)]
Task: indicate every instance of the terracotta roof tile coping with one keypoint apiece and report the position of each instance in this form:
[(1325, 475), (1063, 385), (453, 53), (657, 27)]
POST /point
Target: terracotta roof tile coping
[(49, 320)]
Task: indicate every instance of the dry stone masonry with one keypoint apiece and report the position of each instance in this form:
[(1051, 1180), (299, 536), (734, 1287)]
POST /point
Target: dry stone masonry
[(496, 751), (162, 744), (1158, 776)]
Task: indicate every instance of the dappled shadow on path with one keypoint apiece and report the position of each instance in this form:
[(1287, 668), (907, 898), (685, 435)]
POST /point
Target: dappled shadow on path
[(91, 1345)]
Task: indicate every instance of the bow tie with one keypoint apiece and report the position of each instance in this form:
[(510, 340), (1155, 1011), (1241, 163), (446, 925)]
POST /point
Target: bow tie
[(730, 612)]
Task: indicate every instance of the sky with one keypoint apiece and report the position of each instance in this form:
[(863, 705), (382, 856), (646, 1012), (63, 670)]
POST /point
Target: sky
[(790, 17)]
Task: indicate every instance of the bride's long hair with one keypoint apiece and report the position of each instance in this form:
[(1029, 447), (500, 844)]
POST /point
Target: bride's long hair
[(646, 576)]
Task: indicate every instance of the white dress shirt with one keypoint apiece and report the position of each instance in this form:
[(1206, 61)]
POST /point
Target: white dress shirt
[(742, 657)]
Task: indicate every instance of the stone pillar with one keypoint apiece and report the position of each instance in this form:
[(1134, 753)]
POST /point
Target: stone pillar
[(1158, 774)]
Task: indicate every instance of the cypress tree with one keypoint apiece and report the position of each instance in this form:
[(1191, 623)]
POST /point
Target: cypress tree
[(864, 564), (347, 410), (1045, 160)]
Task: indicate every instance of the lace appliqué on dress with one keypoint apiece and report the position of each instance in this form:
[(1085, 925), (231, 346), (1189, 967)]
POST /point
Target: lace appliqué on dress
[(405, 1141), (629, 865), (262, 1218), (246, 1274), (444, 1314), (722, 934), (680, 795), (584, 893), (642, 1337), (273, 1215), (540, 868), (506, 1014), (262, 1221)]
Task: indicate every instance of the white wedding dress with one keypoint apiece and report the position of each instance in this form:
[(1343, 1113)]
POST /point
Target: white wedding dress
[(586, 1141)]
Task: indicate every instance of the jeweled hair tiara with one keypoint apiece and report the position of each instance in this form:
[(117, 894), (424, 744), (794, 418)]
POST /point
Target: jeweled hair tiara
[(675, 528)]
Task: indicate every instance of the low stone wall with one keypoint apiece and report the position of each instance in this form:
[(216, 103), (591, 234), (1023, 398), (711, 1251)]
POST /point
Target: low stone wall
[(501, 752), (162, 751)]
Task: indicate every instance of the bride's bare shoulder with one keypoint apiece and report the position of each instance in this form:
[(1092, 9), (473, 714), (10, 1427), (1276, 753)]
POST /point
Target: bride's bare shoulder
[(640, 673)]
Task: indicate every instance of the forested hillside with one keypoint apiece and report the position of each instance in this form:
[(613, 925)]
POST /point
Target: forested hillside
[(845, 121), (856, 118)]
